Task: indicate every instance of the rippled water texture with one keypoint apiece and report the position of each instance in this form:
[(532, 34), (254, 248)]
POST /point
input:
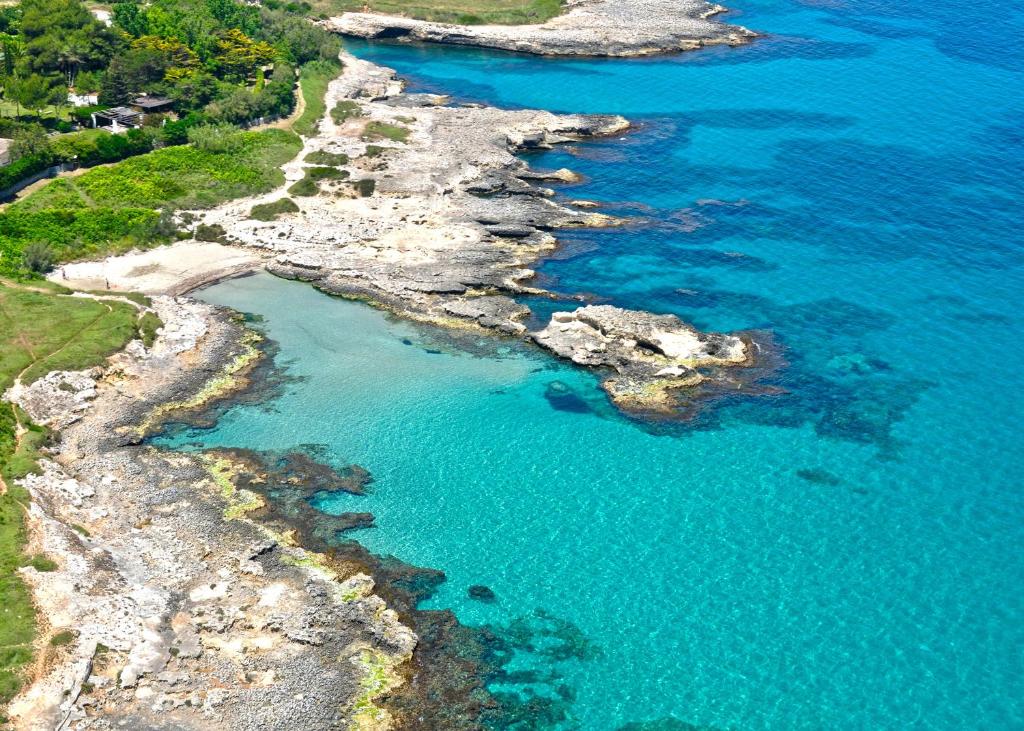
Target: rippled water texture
[(845, 555)]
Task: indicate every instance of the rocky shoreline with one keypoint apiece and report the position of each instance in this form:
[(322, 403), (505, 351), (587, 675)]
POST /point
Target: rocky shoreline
[(191, 594), (177, 609), (621, 28), (454, 223)]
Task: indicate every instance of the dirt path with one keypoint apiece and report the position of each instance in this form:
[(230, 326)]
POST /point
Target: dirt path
[(286, 122)]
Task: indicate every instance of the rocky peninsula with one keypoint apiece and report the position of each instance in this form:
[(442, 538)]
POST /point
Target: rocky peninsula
[(428, 212), (588, 28)]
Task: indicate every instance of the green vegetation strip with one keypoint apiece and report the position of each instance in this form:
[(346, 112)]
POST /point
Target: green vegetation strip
[(40, 331), (462, 12), (313, 80), (112, 209)]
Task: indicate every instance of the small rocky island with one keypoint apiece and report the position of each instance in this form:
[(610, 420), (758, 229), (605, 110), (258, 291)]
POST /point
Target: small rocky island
[(589, 28)]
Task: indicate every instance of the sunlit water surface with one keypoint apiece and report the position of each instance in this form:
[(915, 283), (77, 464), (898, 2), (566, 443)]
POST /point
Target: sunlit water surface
[(846, 555)]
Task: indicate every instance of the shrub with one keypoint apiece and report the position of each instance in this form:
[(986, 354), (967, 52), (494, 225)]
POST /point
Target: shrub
[(326, 173), (148, 325), (38, 257), (42, 563), (382, 130), (213, 232), (304, 187), (344, 110), (322, 157), (374, 150), (218, 138), (64, 637), (365, 187), (270, 211)]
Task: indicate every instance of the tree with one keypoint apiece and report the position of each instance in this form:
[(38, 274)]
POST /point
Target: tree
[(38, 257), (31, 91), (131, 18), (62, 36), (238, 55), (132, 72), (29, 139)]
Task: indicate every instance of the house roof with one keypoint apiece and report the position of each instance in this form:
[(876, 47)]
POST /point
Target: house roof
[(152, 102), (121, 115)]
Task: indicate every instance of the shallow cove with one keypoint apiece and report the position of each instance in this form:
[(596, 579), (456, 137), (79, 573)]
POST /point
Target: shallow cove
[(847, 555)]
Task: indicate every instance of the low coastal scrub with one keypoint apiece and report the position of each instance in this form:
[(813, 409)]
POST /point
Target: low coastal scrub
[(270, 211), (374, 151), (345, 110), (365, 187), (376, 130), (322, 157), (326, 173), (462, 12), (304, 188), (41, 330), (313, 80), (308, 185), (112, 209)]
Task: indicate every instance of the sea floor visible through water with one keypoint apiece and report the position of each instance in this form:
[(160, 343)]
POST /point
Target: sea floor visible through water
[(844, 554)]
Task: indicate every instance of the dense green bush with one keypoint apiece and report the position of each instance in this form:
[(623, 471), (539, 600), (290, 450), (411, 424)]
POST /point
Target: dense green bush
[(326, 173), (23, 168), (38, 257), (304, 187), (210, 232), (365, 187), (322, 157), (270, 211)]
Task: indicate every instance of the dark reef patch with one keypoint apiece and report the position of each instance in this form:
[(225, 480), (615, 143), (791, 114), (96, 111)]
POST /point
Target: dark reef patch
[(448, 685), (563, 398), (481, 593), (819, 477), (665, 724)]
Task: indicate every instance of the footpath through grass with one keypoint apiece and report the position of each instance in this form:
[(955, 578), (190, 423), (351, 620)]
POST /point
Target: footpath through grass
[(313, 80), (462, 12), (115, 208), (40, 330)]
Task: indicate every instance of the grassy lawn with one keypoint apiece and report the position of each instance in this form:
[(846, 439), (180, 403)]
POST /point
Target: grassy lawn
[(39, 332), (10, 109), (114, 208), (463, 12), (313, 80)]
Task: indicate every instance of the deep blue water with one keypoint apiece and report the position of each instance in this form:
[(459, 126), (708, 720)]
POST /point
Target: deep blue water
[(845, 555)]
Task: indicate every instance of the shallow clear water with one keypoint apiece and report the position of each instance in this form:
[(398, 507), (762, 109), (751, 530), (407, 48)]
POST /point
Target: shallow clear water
[(845, 555)]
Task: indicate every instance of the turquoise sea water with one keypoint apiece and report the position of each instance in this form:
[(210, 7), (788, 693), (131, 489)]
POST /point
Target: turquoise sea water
[(847, 555)]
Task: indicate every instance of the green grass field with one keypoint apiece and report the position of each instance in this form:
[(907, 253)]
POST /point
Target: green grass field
[(40, 331), (463, 12)]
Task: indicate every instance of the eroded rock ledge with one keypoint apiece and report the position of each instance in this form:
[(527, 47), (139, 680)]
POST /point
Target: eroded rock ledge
[(589, 28), (453, 226)]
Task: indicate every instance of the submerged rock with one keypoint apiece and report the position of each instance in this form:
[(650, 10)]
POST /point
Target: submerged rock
[(482, 594)]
